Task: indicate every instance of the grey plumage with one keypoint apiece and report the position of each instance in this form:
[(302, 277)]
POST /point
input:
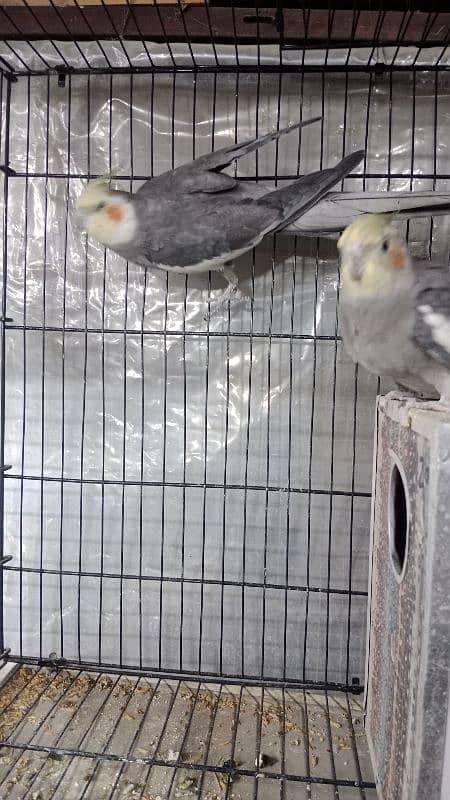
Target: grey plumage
[(195, 214), (394, 312), (437, 299), (378, 334), (181, 231), (197, 218)]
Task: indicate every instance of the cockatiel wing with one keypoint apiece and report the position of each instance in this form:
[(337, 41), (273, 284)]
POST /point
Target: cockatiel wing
[(183, 231), (204, 175), (432, 323), (182, 181)]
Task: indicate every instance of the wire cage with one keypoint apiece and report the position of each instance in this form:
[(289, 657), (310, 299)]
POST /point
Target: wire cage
[(186, 490)]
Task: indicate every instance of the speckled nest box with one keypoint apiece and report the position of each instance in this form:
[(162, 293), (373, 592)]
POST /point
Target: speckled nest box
[(408, 662)]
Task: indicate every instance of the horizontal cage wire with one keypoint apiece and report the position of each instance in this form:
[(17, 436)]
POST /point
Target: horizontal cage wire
[(189, 491), (79, 735), (186, 486), (170, 529), (113, 37)]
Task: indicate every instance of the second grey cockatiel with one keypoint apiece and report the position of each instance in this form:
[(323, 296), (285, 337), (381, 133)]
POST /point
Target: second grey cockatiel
[(196, 218), (394, 312)]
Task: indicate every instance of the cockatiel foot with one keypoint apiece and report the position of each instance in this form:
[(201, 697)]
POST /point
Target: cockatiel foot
[(232, 279), (404, 393), (442, 405), (233, 291), (398, 394), (231, 295)]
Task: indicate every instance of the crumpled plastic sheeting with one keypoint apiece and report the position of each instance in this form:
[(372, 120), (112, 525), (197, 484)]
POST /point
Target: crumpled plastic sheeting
[(125, 53), (132, 387)]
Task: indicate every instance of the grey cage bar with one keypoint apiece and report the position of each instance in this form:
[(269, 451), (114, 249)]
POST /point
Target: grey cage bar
[(186, 490)]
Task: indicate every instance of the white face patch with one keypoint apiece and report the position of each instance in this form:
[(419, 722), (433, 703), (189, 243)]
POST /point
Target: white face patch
[(108, 229), (439, 324)]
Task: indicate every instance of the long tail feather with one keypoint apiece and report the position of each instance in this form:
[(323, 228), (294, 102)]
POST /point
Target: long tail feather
[(338, 209), (305, 192), (222, 158)]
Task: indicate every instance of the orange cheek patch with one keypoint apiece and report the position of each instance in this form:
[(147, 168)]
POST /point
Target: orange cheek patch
[(398, 257), (114, 212)]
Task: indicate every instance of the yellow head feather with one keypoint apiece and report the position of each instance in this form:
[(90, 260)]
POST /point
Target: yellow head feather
[(374, 257), (367, 229), (93, 194)]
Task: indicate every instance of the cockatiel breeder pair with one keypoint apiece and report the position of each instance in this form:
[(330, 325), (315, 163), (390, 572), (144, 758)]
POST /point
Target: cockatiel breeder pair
[(395, 312), (196, 218)]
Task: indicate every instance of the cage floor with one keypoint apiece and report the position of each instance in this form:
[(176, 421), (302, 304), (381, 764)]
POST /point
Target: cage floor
[(73, 734)]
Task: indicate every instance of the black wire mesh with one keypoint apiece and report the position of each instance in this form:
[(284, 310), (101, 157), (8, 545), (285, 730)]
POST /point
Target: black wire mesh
[(280, 624), (73, 734), (181, 26), (250, 570)]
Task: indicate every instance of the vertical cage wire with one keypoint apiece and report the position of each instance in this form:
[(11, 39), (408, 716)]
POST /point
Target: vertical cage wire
[(109, 737), (189, 491)]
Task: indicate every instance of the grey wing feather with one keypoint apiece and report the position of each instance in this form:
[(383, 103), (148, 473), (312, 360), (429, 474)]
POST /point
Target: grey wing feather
[(203, 174), (304, 193), (209, 182), (223, 158), (183, 181), (214, 226), (432, 323)]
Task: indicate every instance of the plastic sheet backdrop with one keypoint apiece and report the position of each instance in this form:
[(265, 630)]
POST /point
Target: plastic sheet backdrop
[(190, 484)]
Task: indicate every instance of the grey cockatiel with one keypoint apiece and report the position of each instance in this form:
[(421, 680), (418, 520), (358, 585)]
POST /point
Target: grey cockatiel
[(394, 313), (196, 218)]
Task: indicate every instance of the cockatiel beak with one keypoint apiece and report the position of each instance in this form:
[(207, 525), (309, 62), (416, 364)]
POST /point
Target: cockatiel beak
[(351, 255), (97, 196), (355, 267)]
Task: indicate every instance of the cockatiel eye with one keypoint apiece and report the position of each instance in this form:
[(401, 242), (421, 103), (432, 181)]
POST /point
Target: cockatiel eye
[(197, 218), (394, 313)]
